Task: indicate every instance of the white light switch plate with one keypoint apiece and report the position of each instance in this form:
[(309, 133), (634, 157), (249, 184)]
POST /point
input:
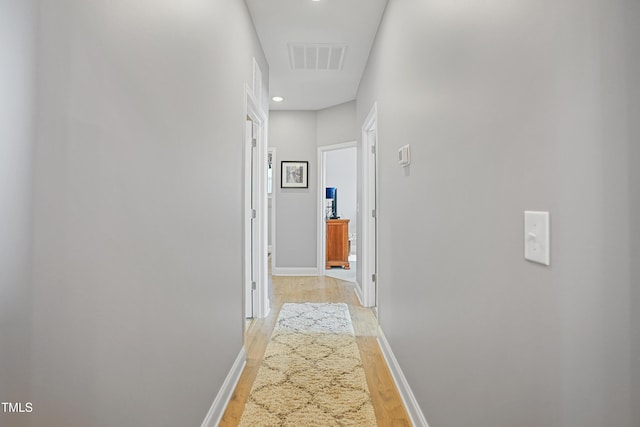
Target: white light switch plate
[(536, 237), (404, 155)]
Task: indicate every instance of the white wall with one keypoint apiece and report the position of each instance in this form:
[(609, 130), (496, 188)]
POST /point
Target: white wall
[(633, 35), (138, 208), (293, 133), (508, 106), (337, 124), (17, 96), (341, 172), (296, 136)]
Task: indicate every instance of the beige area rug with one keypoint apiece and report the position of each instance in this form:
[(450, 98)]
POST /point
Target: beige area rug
[(312, 373)]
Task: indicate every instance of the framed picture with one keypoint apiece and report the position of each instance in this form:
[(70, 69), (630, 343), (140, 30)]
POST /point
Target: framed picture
[(294, 174)]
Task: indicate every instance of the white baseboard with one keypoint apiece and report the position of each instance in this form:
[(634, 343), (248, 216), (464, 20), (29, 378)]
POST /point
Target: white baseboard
[(214, 416), (294, 271), (410, 402)]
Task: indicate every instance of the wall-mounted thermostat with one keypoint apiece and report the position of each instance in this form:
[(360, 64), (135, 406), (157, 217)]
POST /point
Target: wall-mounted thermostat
[(404, 155)]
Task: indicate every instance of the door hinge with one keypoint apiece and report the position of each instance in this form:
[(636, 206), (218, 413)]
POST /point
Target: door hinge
[(253, 286), (373, 213), (253, 214), (254, 142), (373, 149), (373, 277)]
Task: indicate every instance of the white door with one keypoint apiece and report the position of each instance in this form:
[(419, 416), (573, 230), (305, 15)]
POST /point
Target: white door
[(255, 283), (252, 252), (372, 223), (370, 209)]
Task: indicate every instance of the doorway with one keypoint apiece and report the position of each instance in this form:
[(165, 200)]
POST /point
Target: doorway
[(337, 169), (369, 209), (255, 281)]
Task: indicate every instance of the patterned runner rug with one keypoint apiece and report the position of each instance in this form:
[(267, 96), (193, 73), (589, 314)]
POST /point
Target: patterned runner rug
[(311, 374)]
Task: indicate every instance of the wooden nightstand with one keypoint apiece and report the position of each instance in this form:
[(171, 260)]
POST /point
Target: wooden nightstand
[(337, 243)]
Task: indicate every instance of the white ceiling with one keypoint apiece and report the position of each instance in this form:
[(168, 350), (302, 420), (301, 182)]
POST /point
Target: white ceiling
[(281, 23)]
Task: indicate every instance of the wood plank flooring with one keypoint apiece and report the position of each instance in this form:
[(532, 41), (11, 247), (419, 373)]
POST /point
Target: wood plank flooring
[(386, 400)]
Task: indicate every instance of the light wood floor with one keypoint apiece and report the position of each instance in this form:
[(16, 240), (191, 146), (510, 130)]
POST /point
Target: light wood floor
[(387, 403)]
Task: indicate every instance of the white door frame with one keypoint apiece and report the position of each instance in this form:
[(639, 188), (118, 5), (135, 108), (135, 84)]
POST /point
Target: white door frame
[(260, 295), (368, 244), (322, 178), (272, 200), (248, 295)]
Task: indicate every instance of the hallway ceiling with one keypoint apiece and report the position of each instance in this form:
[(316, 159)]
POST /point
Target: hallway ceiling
[(316, 50)]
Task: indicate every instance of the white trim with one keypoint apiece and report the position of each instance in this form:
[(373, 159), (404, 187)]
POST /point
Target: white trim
[(257, 82), (259, 117), (274, 217), (294, 271), (274, 152), (359, 293), (248, 310), (410, 402), (214, 416), (266, 302), (339, 146), (368, 225), (321, 230), (272, 198)]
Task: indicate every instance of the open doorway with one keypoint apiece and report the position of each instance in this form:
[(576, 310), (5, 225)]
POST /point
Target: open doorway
[(369, 238), (337, 184), (255, 283)]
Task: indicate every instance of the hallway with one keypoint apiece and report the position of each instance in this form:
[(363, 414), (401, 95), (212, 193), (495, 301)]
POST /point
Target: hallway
[(386, 401), (123, 148)]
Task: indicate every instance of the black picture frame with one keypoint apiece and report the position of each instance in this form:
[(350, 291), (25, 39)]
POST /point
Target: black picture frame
[(294, 174)]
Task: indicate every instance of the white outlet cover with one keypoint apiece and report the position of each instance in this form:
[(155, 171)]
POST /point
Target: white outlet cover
[(537, 243)]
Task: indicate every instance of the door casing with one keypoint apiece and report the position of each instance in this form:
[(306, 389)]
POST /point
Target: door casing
[(322, 179), (255, 176), (369, 234)]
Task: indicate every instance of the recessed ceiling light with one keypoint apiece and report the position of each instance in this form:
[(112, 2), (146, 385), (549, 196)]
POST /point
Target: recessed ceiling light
[(279, 98), (315, 0)]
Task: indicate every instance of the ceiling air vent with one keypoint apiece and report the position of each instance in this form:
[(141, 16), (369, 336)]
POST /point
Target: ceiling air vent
[(317, 56)]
